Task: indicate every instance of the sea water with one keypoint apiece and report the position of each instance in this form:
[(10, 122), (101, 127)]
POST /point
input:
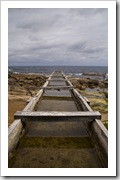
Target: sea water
[(74, 71)]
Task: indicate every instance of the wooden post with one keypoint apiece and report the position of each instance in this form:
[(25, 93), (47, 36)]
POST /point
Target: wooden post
[(69, 116)]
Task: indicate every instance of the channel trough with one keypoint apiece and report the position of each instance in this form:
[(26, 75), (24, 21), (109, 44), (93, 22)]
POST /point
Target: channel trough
[(57, 129)]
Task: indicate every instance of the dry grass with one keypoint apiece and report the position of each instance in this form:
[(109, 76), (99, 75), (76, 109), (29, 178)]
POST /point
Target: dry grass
[(20, 88)]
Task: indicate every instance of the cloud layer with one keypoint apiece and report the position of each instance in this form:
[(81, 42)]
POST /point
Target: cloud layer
[(58, 36)]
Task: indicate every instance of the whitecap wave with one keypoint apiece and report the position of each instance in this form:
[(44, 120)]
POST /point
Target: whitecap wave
[(10, 70), (16, 73), (78, 74)]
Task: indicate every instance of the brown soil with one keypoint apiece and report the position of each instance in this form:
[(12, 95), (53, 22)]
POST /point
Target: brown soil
[(13, 106)]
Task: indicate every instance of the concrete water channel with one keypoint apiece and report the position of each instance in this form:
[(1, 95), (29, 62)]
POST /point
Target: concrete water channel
[(59, 131)]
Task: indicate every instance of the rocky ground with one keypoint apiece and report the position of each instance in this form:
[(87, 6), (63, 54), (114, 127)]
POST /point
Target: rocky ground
[(96, 91), (22, 87)]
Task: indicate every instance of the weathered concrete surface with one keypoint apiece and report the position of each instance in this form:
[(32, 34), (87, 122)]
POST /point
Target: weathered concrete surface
[(56, 158), (55, 116), (57, 78), (57, 129), (56, 152), (99, 135), (45, 105), (57, 83), (14, 134), (54, 93)]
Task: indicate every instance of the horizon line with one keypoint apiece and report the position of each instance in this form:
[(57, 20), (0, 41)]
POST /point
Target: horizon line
[(60, 65)]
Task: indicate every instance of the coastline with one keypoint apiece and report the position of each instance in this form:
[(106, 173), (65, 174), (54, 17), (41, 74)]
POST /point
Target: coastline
[(21, 87)]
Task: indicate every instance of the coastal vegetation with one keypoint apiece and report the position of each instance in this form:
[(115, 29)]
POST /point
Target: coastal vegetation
[(96, 91), (21, 87)]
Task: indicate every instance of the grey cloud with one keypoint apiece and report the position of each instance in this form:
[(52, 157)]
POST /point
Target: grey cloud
[(89, 11), (58, 36)]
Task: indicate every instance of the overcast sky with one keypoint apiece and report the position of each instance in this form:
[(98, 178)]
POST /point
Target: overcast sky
[(58, 37)]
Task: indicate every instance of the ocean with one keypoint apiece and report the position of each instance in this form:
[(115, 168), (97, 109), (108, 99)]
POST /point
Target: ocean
[(74, 71)]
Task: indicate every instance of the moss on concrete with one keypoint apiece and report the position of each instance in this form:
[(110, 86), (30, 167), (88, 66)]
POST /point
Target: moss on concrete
[(57, 98), (57, 142)]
